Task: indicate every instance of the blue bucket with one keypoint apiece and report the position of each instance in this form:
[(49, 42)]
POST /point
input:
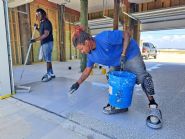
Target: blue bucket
[(121, 86)]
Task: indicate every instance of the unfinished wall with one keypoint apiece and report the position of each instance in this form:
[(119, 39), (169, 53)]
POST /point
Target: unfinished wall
[(22, 19), (15, 36), (24, 30), (71, 16), (52, 12)]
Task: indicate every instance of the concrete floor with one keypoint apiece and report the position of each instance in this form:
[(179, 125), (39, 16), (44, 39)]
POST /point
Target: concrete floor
[(49, 112)]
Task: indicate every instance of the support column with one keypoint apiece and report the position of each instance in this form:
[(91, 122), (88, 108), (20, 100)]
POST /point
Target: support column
[(62, 32), (126, 19), (116, 14), (84, 22), (129, 22), (135, 25)]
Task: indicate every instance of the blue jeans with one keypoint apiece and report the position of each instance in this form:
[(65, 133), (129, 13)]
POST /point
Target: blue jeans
[(47, 49)]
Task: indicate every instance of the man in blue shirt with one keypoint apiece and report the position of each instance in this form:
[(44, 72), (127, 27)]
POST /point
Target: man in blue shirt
[(117, 50), (46, 38)]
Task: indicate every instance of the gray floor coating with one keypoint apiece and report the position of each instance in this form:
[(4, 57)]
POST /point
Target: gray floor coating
[(55, 114)]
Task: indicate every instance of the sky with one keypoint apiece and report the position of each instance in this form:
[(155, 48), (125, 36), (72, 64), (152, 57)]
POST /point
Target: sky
[(173, 39)]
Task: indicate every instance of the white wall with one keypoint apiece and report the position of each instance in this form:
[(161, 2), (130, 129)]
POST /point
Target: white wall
[(5, 85)]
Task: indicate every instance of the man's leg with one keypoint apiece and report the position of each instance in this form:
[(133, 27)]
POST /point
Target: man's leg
[(137, 66), (50, 69), (47, 53), (148, 87), (49, 59)]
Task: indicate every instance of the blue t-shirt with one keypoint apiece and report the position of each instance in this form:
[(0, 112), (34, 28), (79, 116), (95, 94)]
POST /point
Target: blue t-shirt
[(109, 46)]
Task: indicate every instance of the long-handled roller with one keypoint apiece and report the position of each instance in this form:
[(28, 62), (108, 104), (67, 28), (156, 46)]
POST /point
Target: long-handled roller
[(20, 88)]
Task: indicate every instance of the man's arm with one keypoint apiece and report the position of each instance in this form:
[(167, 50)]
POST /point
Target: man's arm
[(126, 41), (45, 35), (125, 46), (85, 74), (36, 26)]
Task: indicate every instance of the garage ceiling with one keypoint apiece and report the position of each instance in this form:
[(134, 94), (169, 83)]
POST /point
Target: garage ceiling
[(151, 20), (168, 18), (15, 3), (94, 5)]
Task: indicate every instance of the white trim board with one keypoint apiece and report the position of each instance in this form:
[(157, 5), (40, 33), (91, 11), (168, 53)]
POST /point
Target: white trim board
[(5, 85)]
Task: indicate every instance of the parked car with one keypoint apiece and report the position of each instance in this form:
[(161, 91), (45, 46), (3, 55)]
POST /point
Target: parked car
[(148, 50)]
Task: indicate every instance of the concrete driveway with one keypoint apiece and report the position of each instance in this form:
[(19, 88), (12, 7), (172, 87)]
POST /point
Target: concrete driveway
[(49, 112)]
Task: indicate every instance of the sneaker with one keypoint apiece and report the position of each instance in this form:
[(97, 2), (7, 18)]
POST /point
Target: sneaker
[(113, 110), (154, 118), (46, 78), (52, 75)]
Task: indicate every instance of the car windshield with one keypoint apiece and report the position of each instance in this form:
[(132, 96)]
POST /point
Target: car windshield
[(145, 44)]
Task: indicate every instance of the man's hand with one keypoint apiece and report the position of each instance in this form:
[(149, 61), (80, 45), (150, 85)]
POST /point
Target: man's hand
[(122, 62), (74, 87), (36, 26), (32, 41)]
